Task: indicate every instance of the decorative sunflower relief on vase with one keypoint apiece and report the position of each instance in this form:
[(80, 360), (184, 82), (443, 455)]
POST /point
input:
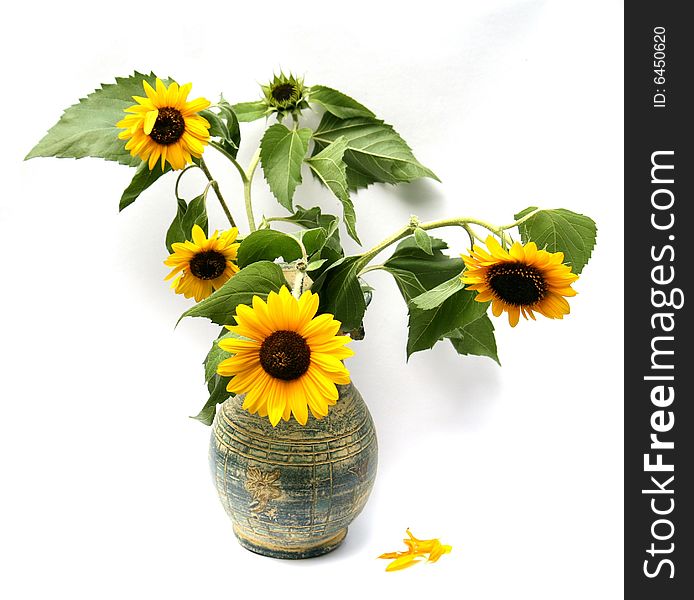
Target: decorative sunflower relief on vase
[(293, 448)]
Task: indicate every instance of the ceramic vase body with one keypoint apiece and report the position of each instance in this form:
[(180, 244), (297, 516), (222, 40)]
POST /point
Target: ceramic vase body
[(292, 490)]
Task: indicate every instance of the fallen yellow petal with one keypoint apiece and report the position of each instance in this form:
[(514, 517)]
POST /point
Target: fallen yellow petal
[(392, 554), (416, 550), (403, 562), (438, 552)]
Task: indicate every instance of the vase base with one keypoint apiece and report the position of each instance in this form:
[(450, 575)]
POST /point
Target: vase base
[(289, 552)]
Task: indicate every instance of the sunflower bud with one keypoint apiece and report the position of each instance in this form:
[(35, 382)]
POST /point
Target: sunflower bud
[(286, 95)]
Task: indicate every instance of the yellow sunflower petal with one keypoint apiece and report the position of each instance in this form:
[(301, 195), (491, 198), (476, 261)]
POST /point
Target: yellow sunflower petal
[(183, 92), (161, 91), (513, 315), (496, 250), (298, 401), (151, 92), (195, 106), (403, 562), (150, 119), (517, 252), (249, 325), (321, 325), (276, 401)]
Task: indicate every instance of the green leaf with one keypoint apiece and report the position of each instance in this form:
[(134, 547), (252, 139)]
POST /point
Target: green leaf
[(88, 128), (423, 240), (218, 394), (187, 215), (217, 355), (337, 103), (476, 338), (258, 279), (316, 264), (428, 270), (251, 111), (560, 230), (438, 295), (282, 153), (340, 292), (313, 239), (267, 244), (175, 233), (428, 326), (196, 214), (375, 152), (225, 126), (329, 167), (408, 283), (312, 218), (142, 179), (417, 272)]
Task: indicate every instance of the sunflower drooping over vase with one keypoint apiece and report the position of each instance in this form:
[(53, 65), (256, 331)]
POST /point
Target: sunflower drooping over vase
[(293, 447)]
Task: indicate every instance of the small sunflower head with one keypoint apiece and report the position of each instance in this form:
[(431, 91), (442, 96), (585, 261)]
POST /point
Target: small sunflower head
[(164, 125), (201, 265), (286, 94), (520, 281)]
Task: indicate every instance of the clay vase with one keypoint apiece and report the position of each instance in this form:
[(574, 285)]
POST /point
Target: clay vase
[(291, 490)]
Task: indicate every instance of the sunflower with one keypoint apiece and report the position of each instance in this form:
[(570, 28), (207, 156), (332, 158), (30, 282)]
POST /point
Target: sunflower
[(203, 265), (166, 125), (520, 280), (290, 360)]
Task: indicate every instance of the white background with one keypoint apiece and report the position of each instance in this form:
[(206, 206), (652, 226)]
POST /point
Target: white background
[(105, 485)]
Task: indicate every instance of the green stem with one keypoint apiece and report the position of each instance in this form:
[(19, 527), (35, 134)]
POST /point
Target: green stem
[(522, 219), (472, 234), (464, 222), (371, 268), (396, 237), (215, 186), (178, 179), (207, 189), (246, 178), (221, 149), (247, 189)]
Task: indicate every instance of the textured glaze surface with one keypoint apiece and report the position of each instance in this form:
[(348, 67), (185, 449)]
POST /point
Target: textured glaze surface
[(291, 491)]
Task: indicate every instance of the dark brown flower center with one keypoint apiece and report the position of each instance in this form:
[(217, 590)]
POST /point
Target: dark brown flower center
[(208, 265), (516, 283), (283, 92), (285, 355), (169, 126)]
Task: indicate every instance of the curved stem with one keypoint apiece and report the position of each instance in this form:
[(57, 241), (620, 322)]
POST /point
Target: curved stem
[(207, 189), (254, 165), (246, 178), (178, 179), (221, 149), (522, 219), (472, 234), (304, 254), (371, 268), (396, 237), (248, 181), (215, 186), (464, 222)]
